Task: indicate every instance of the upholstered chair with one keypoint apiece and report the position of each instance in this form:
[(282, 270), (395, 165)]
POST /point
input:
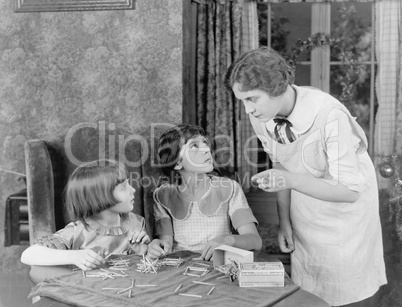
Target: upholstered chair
[(50, 162)]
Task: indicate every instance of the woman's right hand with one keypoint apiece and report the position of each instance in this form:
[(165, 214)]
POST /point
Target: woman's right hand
[(87, 259)]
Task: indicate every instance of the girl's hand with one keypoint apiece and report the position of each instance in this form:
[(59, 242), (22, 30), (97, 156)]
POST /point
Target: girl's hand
[(285, 239), (87, 259), (158, 248), (208, 250), (140, 236), (273, 180)]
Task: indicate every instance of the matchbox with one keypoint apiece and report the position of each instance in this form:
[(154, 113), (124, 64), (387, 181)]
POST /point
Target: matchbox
[(224, 254), (261, 274)]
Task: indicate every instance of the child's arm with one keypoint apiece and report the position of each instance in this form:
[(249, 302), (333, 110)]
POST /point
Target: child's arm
[(285, 238), (242, 220), (248, 239), (160, 246), (85, 259)]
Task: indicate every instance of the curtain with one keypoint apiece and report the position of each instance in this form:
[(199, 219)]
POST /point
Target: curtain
[(248, 144), (218, 44), (388, 82)]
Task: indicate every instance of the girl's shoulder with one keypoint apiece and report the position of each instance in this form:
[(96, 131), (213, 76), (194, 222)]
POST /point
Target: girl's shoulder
[(133, 217), (165, 192), (126, 222), (223, 187)]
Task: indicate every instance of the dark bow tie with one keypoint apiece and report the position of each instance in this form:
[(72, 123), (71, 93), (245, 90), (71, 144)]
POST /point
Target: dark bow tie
[(281, 121)]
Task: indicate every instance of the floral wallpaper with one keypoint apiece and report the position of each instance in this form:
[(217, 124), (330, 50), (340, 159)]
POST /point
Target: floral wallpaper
[(64, 68)]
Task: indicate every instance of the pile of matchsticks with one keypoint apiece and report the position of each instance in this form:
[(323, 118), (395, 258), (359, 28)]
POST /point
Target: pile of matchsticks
[(152, 266), (148, 266), (197, 270), (118, 267), (229, 269)]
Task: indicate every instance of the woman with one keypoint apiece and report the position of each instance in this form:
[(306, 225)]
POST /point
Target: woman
[(324, 178)]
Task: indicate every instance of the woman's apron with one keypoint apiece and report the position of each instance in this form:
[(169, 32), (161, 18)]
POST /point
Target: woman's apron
[(338, 252)]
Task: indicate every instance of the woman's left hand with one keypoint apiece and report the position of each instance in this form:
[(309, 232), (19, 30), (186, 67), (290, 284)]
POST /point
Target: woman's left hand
[(273, 180)]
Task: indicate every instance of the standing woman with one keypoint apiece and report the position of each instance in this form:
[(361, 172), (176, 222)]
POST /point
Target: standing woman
[(324, 178)]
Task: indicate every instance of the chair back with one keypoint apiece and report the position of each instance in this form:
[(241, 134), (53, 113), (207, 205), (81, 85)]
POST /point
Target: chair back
[(50, 163)]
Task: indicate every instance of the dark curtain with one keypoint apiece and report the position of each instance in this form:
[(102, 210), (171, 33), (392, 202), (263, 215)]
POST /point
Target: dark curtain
[(218, 44)]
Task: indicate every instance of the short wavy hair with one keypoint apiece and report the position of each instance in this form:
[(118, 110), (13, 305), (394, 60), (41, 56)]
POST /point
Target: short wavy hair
[(170, 144), (90, 187), (263, 69)]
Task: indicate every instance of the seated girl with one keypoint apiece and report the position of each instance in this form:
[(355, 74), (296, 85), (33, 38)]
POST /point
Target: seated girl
[(197, 211), (99, 199)]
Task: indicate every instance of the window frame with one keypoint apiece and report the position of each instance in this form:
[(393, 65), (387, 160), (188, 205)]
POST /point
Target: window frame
[(320, 57)]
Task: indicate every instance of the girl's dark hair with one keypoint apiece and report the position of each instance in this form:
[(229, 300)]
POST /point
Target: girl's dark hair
[(262, 69), (90, 188), (169, 147)]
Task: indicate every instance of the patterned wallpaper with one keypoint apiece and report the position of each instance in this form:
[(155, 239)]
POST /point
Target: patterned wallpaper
[(61, 69)]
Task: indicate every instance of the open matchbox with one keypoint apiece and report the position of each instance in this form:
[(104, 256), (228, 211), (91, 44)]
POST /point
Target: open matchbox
[(225, 254), (251, 274)]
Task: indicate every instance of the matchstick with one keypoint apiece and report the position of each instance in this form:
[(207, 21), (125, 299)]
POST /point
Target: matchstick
[(203, 283), (108, 256), (188, 294), (112, 288), (195, 275), (177, 289), (210, 291)]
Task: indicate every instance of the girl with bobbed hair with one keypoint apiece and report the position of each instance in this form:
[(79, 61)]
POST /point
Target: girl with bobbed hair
[(99, 199)]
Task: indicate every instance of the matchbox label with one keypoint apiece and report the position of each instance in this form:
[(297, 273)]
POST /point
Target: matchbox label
[(261, 284), (257, 266), (261, 273)]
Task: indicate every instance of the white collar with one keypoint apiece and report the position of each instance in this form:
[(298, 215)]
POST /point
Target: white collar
[(303, 113)]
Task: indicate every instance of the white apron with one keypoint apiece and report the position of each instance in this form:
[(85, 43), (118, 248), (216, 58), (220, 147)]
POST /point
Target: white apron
[(338, 246)]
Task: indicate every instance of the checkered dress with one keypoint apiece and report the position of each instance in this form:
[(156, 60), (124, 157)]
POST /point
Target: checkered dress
[(195, 223)]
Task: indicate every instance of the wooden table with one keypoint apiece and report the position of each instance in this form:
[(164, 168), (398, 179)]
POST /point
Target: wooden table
[(227, 291)]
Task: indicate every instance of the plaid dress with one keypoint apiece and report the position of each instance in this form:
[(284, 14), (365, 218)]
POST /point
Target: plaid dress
[(193, 223)]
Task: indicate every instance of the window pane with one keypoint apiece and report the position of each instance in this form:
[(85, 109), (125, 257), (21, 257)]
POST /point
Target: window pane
[(289, 22), (352, 88), (351, 24), (302, 76)]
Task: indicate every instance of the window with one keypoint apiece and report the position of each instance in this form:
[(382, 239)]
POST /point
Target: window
[(350, 26)]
